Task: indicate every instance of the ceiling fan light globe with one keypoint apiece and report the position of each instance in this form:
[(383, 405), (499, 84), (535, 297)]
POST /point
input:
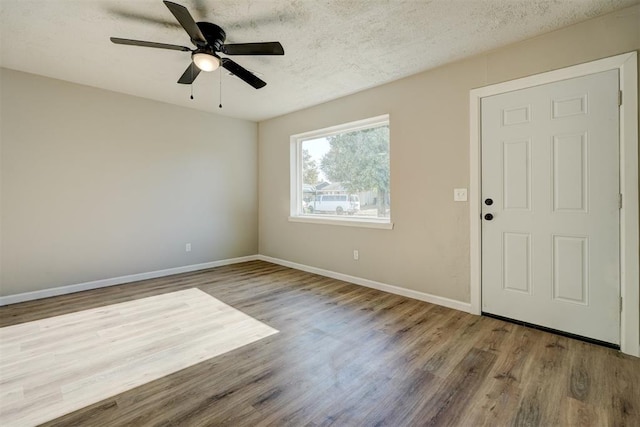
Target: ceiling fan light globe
[(205, 61)]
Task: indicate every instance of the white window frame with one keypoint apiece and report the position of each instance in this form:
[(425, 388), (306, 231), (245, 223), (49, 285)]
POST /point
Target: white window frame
[(296, 176)]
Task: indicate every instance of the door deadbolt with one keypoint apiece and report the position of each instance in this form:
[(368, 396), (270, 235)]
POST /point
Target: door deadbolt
[(488, 202)]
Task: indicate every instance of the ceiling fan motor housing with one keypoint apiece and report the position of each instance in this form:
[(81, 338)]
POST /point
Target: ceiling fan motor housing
[(214, 34)]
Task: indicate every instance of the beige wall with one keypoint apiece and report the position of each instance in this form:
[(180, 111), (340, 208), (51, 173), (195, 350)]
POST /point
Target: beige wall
[(98, 185), (428, 250)]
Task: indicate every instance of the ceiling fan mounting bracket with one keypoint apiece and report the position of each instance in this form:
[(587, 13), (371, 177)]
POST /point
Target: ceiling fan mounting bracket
[(214, 35)]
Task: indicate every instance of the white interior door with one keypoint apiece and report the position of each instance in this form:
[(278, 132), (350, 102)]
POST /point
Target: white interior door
[(550, 206)]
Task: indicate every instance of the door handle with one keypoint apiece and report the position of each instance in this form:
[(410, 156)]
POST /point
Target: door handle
[(488, 217)]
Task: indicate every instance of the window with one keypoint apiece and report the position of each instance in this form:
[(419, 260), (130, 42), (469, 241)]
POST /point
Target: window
[(341, 174)]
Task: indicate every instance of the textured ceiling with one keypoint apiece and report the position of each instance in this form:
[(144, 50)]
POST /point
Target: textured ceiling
[(333, 47)]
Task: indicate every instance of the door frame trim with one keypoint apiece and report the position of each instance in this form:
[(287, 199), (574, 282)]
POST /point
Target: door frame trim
[(627, 64)]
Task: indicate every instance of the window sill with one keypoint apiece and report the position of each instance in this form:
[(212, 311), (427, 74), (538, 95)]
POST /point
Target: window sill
[(348, 222)]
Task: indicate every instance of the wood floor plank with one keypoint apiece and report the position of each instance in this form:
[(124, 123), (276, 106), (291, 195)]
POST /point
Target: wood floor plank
[(500, 393), (352, 356)]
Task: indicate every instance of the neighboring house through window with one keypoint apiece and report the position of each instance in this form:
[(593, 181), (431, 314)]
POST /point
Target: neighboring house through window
[(341, 174)]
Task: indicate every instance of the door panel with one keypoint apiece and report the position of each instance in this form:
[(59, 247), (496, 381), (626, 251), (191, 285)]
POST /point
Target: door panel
[(570, 269), (550, 163), (569, 182), (516, 255), (516, 178)]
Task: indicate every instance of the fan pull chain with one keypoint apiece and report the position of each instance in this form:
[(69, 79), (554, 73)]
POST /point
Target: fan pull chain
[(191, 71), (220, 106)]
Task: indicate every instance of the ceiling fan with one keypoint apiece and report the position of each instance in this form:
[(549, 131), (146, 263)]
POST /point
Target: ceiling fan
[(209, 40)]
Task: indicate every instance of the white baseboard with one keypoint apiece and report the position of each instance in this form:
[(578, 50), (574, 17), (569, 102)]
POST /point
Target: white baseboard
[(63, 290), (434, 299), (69, 289)]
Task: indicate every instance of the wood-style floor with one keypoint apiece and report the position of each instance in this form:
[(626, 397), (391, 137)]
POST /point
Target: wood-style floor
[(54, 366), (352, 356)]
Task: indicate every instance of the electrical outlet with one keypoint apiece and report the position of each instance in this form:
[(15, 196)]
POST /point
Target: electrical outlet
[(356, 254), (187, 247)]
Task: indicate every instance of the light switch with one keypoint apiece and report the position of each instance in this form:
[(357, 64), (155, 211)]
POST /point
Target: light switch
[(460, 194)]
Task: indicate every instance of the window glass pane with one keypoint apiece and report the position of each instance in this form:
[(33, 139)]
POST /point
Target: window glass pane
[(347, 174)]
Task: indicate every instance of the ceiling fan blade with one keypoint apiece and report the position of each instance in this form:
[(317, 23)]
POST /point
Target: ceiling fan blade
[(267, 48), (186, 20), (242, 73), (189, 74), (143, 43)]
